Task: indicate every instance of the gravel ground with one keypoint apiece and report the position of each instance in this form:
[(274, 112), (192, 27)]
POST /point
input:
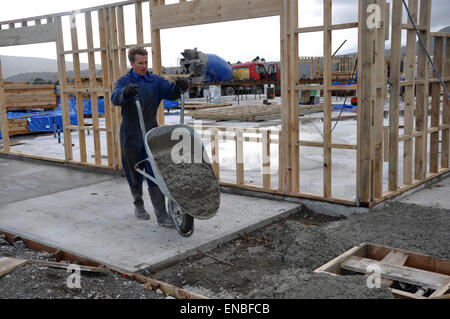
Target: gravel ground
[(274, 262)]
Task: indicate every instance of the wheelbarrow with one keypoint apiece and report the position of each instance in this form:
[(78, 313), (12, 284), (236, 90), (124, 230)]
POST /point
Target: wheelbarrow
[(158, 141)]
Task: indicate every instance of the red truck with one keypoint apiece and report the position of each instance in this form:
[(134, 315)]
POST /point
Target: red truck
[(264, 73)]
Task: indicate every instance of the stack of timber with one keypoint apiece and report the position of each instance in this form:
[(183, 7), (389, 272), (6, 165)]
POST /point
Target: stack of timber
[(20, 97), (18, 126), (247, 113)]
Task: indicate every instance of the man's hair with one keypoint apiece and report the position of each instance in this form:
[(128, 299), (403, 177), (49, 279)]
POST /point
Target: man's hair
[(136, 50)]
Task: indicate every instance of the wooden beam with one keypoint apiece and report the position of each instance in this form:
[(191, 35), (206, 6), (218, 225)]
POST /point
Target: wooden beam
[(409, 98), (420, 161), (379, 105), (106, 85), (93, 84), (283, 151), (239, 157), (436, 106), (395, 257), (327, 104), (395, 93), (211, 11), (65, 112), (365, 108), (139, 25), (294, 149), (215, 152), (156, 50), (446, 111), (3, 115), (404, 274), (28, 35), (266, 158), (79, 96), (122, 41)]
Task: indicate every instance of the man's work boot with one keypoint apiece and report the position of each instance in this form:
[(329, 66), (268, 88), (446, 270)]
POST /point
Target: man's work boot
[(159, 206), (139, 208)]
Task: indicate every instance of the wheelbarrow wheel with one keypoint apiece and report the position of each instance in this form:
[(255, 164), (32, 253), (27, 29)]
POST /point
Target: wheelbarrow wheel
[(183, 222)]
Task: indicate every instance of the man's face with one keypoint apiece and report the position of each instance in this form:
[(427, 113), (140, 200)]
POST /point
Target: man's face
[(140, 65)]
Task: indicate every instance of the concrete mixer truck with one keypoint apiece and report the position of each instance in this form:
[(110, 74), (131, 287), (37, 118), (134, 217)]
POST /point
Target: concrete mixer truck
[(210, 69)]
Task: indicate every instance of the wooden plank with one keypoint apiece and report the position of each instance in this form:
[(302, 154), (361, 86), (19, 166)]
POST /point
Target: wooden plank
[(441, 291), (409, 98), (93, 83), (156, 49), (395, 93), (67, 135), (115, 73), (139, 25), (436, 106), (327, 66), (239, 157), (403, 274), (294, 149), (420, 161), (211, 11), (215, 152), (283, 149), (334, 266), (365, 108), (446, 111), (379, 105), (3, 115), (395, 257), (28, 35), (8, 264), (122, 41), (79, 97), (266, 158), (102, 18)]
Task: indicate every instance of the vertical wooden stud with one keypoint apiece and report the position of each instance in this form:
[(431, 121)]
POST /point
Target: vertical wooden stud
[(239, 156), (420, 162), (436, 106), (102, 22), (3, 115), (327, 105), (65, 112), (215, 151), (283, 164), (156, 55), (122, 41), (93, 85), (395, 93), (266, 158), (139, 25), (410, 69), (446, 111)]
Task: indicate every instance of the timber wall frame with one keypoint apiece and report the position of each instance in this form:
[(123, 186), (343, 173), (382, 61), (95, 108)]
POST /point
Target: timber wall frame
[(375, 144)]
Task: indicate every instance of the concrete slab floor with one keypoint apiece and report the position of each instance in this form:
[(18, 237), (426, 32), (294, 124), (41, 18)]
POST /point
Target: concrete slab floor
[(435, 195), (93, 217)]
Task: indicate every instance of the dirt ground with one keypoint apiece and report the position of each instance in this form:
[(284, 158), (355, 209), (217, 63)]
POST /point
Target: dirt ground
[(275, 262)]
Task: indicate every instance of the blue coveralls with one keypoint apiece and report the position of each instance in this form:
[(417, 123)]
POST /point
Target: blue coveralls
[(151, 90)]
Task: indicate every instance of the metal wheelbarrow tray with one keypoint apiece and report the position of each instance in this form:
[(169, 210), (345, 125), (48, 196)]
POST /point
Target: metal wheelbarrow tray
[(184, 174)]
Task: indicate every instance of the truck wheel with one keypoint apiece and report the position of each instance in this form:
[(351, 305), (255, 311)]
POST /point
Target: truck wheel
[(229, 90)]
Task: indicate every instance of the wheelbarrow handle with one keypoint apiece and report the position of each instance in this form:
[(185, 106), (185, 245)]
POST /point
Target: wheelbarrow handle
[(142, 172), (141, 117)]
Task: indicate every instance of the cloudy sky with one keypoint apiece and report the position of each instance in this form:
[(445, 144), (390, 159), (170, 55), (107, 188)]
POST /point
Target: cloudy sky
[(239, 40)]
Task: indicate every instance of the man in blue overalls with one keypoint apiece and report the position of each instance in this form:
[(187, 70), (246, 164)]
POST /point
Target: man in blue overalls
[(151, 89)]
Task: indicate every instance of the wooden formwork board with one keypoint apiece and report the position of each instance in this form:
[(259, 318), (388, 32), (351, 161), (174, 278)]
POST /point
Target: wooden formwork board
[(394, 265)]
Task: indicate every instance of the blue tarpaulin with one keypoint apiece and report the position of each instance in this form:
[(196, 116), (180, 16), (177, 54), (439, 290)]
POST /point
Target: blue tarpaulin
[(42, 121)]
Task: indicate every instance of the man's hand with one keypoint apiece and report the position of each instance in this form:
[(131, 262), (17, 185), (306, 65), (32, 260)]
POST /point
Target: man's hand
[(130, 90), (182, 84)]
